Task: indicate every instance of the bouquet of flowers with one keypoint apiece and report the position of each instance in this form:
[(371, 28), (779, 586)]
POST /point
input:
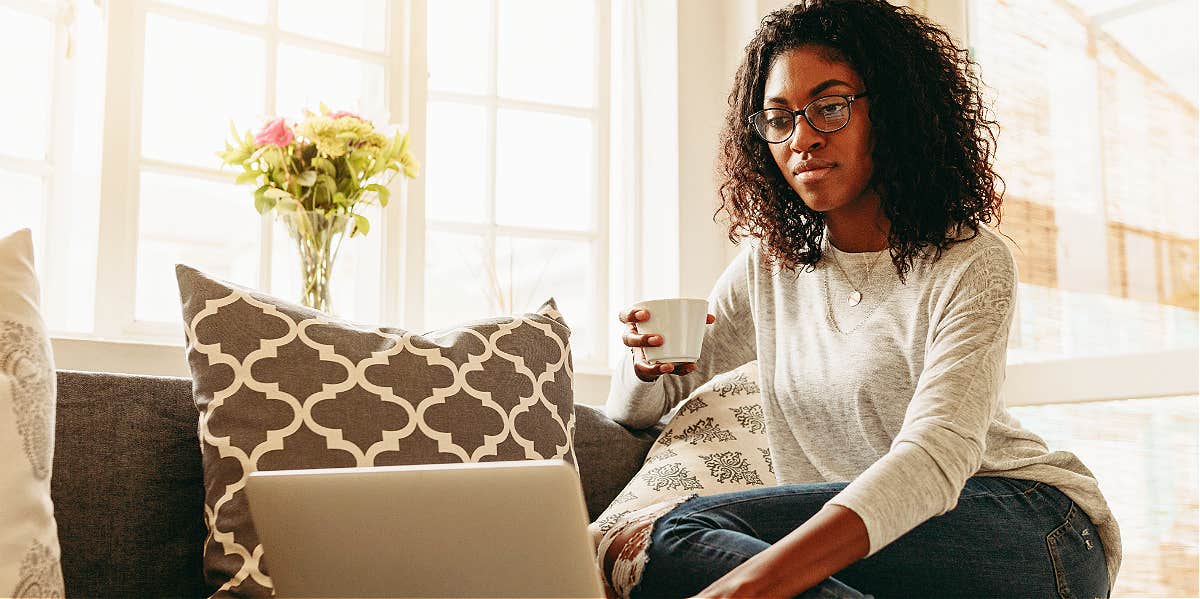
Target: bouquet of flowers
[(315, 174), (329, 162)]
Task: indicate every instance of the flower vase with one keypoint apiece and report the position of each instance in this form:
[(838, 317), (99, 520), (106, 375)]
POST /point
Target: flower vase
[(318, 237)]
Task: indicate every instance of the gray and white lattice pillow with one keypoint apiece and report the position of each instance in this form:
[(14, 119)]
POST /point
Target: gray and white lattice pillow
[(29, 560), (715, 443), (280, 386)]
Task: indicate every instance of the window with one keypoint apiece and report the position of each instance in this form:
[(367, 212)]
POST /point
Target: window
[(115, 169), (515, 193), (203, 65), (1098, 146), (49, 168)]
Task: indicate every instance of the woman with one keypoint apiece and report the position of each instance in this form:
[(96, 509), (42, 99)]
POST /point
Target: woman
[(856, 134)]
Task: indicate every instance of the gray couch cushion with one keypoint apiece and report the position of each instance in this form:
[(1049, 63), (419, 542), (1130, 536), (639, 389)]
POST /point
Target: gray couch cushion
[(608, 455), (127, 486)]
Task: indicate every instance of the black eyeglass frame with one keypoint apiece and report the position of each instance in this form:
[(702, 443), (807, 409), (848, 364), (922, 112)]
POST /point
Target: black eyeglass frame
[(803, 112)]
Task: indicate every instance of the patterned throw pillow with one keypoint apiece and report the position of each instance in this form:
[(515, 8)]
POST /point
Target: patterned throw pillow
[(29, 551), (281, 386), (716, 442)]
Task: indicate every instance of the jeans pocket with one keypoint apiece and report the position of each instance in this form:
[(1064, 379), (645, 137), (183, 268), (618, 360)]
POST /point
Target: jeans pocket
[(1077, 554)]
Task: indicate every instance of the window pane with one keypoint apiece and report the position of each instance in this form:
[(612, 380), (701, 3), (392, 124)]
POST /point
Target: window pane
[(210, 226), (534, 270), (356, 277), (308, 77), (22, 203), (547, 51), (359, 23), (197, 78), (27, 45), (458, 45), (456, 168), (458, 287), (545, 166), (251, 11), (1107, 254)]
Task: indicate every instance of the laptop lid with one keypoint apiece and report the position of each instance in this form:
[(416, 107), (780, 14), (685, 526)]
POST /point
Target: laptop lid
[(492, 529)]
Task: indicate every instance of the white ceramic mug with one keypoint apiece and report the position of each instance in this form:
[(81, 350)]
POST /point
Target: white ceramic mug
[(680, 321)]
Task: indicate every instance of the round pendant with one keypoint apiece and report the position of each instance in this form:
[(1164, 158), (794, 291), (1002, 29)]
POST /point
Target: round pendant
[(855, 297)]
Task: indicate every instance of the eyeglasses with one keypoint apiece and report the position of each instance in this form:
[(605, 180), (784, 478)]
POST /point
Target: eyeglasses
[(825, 114)]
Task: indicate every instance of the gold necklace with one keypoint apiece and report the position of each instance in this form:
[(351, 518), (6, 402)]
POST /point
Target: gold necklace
[(856, 296)]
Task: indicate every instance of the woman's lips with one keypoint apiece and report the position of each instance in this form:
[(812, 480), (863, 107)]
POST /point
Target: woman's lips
[(813, 175)]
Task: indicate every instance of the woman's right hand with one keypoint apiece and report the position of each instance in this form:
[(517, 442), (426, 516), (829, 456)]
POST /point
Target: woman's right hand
[(637, 342)]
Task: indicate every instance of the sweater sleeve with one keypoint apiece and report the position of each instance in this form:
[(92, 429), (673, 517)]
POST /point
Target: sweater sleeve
[(942, 439), (728, 343)]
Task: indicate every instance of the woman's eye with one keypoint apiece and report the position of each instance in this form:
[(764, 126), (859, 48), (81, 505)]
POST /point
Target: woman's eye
[(778, 123)]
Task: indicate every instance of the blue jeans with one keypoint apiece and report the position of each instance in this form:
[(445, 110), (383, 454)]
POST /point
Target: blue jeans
[(1005, 538)]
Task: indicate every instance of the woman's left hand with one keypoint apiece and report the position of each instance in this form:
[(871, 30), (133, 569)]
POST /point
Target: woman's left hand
[(741, 582)]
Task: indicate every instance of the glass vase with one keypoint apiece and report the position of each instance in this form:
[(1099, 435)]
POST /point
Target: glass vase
[(318, 237)]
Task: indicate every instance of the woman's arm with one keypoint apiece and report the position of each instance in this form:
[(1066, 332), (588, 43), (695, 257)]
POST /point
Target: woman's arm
[(728, 343), (828, 542)]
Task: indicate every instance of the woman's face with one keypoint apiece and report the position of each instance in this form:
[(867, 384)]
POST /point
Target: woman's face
[(796, 78)]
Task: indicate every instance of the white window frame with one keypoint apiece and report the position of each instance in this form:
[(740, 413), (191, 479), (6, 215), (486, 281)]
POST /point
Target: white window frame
[(122, 162), (54, 170), (597, 236)]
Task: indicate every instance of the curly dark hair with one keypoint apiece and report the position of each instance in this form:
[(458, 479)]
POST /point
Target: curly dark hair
[(934, 137)]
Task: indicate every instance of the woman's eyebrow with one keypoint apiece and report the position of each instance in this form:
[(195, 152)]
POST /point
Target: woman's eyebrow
[(820, 87), (828, 83)]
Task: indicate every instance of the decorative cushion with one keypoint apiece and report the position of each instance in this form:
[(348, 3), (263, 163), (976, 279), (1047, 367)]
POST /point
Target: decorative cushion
[(281, 386), (715, 442), (29, 551)]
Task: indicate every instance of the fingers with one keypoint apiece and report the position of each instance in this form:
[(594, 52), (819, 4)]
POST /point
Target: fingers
[(633, 315), (649, 372), (633, 339)]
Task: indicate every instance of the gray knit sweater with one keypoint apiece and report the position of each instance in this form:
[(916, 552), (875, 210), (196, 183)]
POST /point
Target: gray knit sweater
[(898, 395)]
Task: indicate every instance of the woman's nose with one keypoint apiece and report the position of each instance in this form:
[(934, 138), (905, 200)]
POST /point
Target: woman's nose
[(805, 138)]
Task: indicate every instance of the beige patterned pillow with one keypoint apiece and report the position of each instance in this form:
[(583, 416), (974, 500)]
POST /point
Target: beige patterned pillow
[(281, 386), (716, 442), (29, 551)]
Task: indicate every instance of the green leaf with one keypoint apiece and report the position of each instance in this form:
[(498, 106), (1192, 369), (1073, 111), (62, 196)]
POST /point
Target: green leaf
[(288, 205), (383, 192), (340, 199), (277, 194), (328, 183), (273, 157), (258, 154), (247, 177), (361, 225), (307, 178), (324, 165), (262, 203)]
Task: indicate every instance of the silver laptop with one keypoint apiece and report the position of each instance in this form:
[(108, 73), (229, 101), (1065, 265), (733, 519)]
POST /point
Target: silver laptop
[(494, 529)]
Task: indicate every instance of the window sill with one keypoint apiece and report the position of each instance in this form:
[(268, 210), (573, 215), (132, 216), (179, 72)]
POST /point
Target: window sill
[(1158, 374)]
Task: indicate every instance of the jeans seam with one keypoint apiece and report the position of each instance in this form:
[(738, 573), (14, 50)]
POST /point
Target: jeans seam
[(704, 545), (1060, 575), (1018, 494)]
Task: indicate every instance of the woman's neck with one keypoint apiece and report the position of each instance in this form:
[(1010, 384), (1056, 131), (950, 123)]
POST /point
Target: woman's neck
[(853, 233)]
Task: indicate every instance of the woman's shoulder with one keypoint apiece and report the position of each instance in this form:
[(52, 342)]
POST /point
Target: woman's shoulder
[(984, 248)]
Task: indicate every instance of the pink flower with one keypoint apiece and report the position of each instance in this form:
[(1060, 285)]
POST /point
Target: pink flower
[(342, 113), (274, 133)]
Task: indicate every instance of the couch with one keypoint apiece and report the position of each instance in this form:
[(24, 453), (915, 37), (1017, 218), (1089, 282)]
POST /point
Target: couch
[(128, 488)]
